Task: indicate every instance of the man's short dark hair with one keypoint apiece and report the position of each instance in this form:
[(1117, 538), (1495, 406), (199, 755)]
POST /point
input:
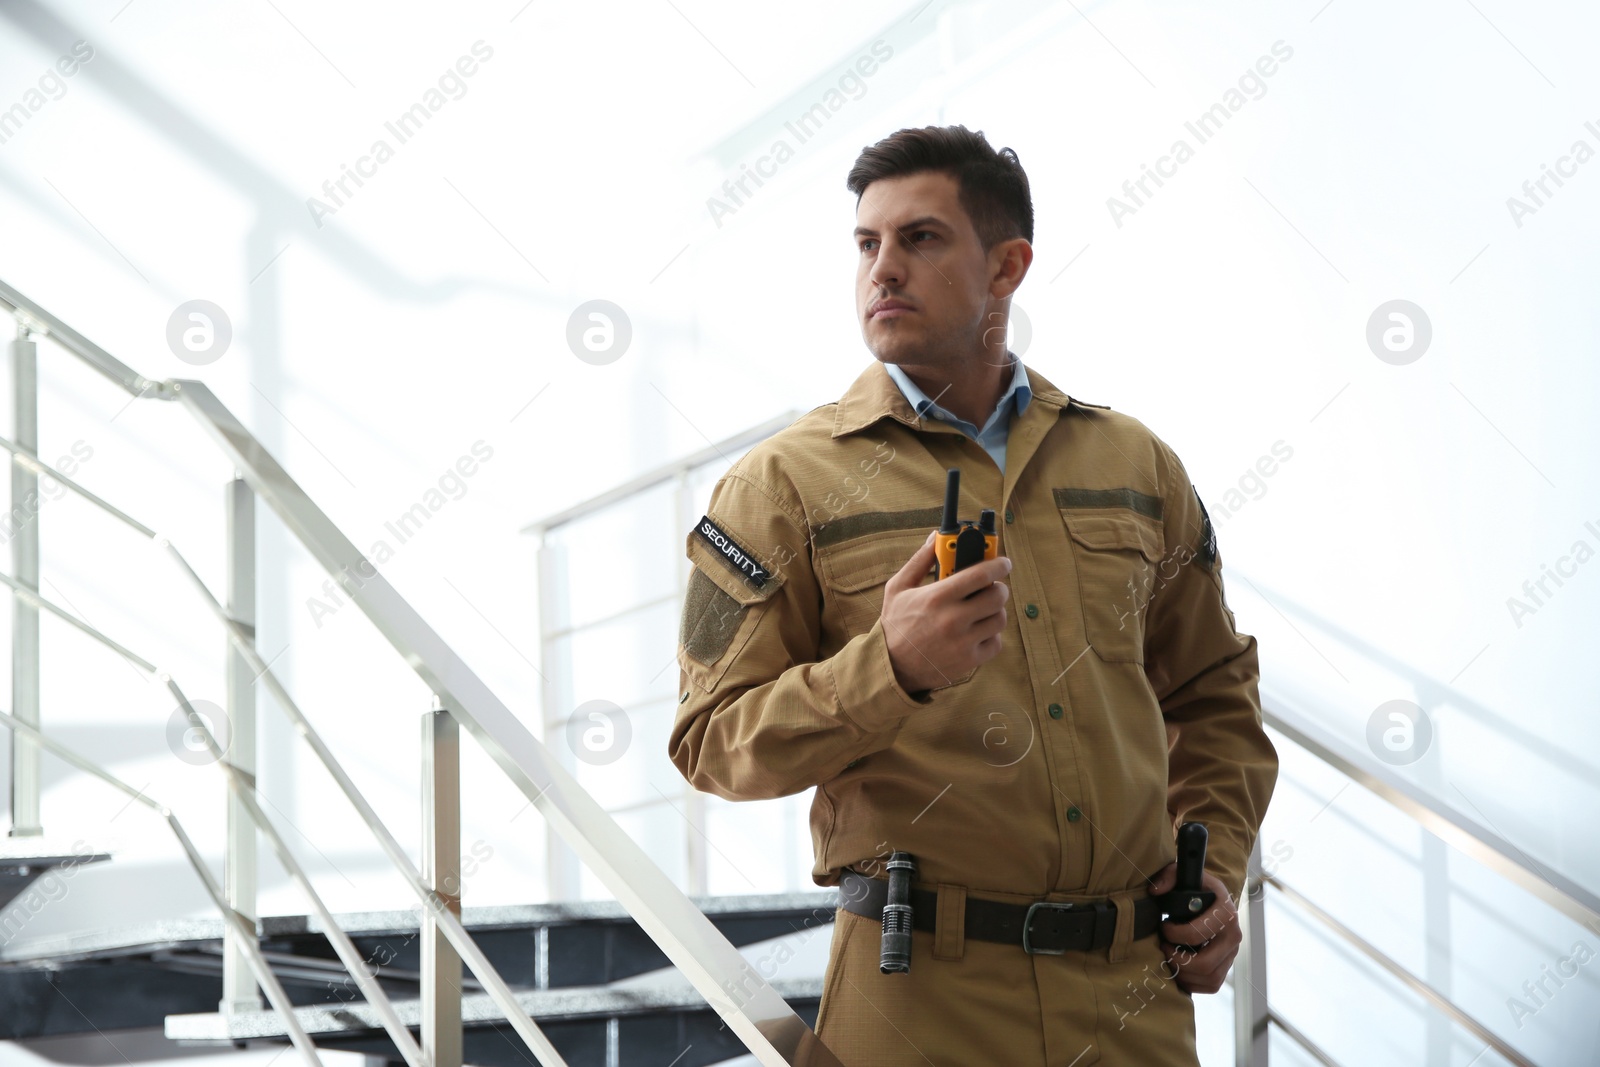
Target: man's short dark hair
[(993, 186)]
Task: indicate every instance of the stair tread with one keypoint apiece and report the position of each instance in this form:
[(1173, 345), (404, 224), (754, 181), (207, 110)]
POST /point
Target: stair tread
[(166, 933), (656, 992), (36, 847), (26, 860)]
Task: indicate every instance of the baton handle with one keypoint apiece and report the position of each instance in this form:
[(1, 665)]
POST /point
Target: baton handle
[(1186, 899)]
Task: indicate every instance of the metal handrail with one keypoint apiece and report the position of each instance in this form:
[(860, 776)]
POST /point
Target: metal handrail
[(1298, 1037), (744, 1000), (551, 631), (1445, 823), (36, 318), (28, 596), (1417, 985), (497, 988), (263, 974), (29, 460), (243, 787), (662, 474), (452, 927)]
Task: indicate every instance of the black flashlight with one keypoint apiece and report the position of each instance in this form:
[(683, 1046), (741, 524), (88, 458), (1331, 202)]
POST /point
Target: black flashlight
[(894, 956)]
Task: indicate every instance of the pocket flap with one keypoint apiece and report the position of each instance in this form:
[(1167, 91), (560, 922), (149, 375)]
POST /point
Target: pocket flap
[(1116, 528), (871, 560)]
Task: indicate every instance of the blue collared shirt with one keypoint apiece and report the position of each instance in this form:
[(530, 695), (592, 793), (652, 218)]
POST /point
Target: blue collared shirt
[(993, 435)]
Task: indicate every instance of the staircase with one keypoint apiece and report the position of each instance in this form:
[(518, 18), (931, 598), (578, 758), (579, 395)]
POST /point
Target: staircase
[(651, 977), (583, 971)]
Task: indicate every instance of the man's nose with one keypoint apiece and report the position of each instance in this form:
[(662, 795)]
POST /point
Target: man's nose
[(888, 270)]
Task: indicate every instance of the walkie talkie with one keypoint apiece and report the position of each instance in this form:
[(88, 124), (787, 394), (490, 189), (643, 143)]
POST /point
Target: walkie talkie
[(961, 543), (1186, 899)]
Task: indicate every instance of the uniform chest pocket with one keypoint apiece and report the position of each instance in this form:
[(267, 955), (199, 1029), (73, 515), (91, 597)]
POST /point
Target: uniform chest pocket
[(854, 573), (1117, 551)]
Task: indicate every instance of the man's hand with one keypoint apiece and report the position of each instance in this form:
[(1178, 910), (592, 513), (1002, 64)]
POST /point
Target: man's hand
[(937, 633), (1214, 931)]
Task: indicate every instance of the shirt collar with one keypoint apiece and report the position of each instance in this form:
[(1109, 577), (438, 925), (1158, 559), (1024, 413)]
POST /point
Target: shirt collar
[(875, 395), (922, 404)]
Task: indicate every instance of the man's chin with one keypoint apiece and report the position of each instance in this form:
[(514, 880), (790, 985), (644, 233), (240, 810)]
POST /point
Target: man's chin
[(893, 349)]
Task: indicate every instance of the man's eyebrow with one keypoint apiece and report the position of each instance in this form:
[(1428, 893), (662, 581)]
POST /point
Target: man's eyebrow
[(926, 220)]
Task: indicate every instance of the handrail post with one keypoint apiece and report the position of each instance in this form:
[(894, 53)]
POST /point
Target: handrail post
[(1250, 1011), (239, 992), (698, 860), (441, 870), (562, 879), (22, 523)]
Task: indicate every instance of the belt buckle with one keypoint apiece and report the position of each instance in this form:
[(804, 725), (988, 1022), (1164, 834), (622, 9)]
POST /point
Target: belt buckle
[(1027, 924)]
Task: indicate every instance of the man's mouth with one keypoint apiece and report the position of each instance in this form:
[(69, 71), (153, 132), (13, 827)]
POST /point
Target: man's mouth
[(889, 309)]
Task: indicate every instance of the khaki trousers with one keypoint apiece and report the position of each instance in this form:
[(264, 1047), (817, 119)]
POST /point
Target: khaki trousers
[(967, 1002)]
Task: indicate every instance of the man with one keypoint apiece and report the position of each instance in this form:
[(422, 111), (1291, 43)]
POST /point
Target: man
[(1031, 729)]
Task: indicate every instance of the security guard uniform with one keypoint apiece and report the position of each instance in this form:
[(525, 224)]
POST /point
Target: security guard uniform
[(1122, 703)]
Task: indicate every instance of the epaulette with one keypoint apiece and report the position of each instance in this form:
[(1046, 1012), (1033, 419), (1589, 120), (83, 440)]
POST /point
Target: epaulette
[(1086, 404)]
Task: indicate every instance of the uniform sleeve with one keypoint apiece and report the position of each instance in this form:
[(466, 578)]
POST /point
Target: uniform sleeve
[(1221, 766), (758, 715)]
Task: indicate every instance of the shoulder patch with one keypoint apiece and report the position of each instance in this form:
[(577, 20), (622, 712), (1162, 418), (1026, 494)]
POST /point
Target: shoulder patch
[(1208, 536), (710, 619), (731, 552)]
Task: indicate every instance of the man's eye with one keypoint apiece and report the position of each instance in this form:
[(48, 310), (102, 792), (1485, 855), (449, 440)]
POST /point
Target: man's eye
[(866, 245)]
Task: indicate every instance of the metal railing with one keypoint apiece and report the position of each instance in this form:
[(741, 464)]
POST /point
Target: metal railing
[(234, 919), (744, 1000), (555, 626), (1253, 1012)]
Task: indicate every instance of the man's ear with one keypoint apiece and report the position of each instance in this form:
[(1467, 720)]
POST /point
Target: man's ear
[(1009, 261)]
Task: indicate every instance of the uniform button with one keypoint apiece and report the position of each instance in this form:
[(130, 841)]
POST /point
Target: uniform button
[(1073, 814), (1031, 611), (1055, 711), (1008, 515)]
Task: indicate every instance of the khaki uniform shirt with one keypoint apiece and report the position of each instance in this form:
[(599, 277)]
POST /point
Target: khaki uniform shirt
[(1122, 703)]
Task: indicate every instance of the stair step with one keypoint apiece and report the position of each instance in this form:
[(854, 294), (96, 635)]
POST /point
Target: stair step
[(25, 860), (140, 938), (652, 1023), (139, 975), (668, 993)]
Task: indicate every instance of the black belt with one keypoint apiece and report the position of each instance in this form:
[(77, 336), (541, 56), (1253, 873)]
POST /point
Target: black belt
[(1043, 927)]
